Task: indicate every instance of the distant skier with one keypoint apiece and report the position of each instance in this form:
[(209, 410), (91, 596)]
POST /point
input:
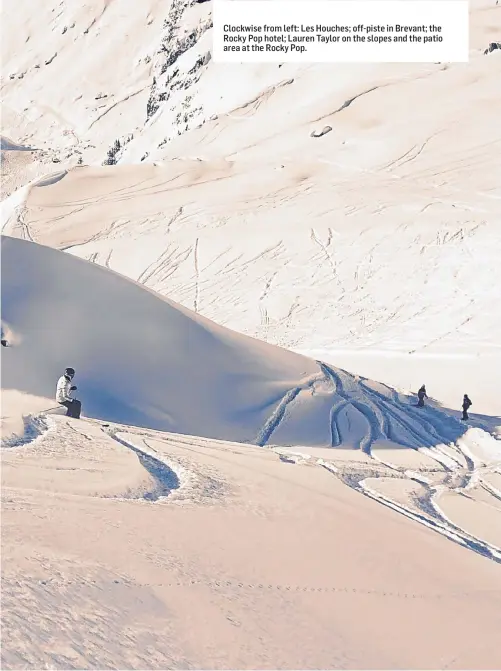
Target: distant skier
[(421, 396), (466, 405), (63, 394)]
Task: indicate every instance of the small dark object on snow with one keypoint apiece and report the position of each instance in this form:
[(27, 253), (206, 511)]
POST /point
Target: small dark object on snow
[(492, 47), (466, 404), (319, 133), (4, 343), (421, 396)]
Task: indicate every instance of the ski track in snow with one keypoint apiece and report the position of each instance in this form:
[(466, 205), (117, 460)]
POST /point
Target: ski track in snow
[(445, 527), (166, 479), (390, 418), (384, 419), (172, 480)]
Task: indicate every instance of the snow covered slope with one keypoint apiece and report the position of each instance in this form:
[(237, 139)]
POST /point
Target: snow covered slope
[(140, 359), (310, 255), (85, 75), (380, 234), (143, 360), (133, 549)]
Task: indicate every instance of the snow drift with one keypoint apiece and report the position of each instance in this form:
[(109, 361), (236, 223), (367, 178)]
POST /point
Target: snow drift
[(139, 358)]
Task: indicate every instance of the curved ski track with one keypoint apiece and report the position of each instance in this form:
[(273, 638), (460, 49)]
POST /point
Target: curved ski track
[(387, 417)]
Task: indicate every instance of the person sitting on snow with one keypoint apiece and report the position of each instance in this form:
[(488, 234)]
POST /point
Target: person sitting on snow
[(466, 405), (63, 394), (421, 396)]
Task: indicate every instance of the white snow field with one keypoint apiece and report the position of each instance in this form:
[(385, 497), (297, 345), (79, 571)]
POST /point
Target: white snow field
[(279, 544), (250, 311)]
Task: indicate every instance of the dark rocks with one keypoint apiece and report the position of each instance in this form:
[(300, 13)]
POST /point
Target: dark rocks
[(116, 148), (174, 44), (319, 133)]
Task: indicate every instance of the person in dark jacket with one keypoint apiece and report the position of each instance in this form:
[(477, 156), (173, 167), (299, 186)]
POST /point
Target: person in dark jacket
[(466, 405), (421, 396)]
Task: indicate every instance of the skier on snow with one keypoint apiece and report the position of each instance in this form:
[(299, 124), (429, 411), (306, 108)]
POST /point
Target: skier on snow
[(466, 405), (63, 394), (421, 396)]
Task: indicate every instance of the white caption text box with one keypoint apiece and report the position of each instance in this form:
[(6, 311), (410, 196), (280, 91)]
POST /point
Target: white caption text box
[(341, 31)]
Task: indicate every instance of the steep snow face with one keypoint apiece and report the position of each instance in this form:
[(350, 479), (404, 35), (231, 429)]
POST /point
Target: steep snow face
[(141, 359)]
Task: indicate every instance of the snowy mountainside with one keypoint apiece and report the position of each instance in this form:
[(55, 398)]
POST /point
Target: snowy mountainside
[(312, 207), (115, 80), (173, 229), (273, 254), (141, 359), (91, 75), (367, 236)]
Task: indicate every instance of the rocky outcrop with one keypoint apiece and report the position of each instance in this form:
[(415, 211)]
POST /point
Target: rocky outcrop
[(167, 76), (116, 148)]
